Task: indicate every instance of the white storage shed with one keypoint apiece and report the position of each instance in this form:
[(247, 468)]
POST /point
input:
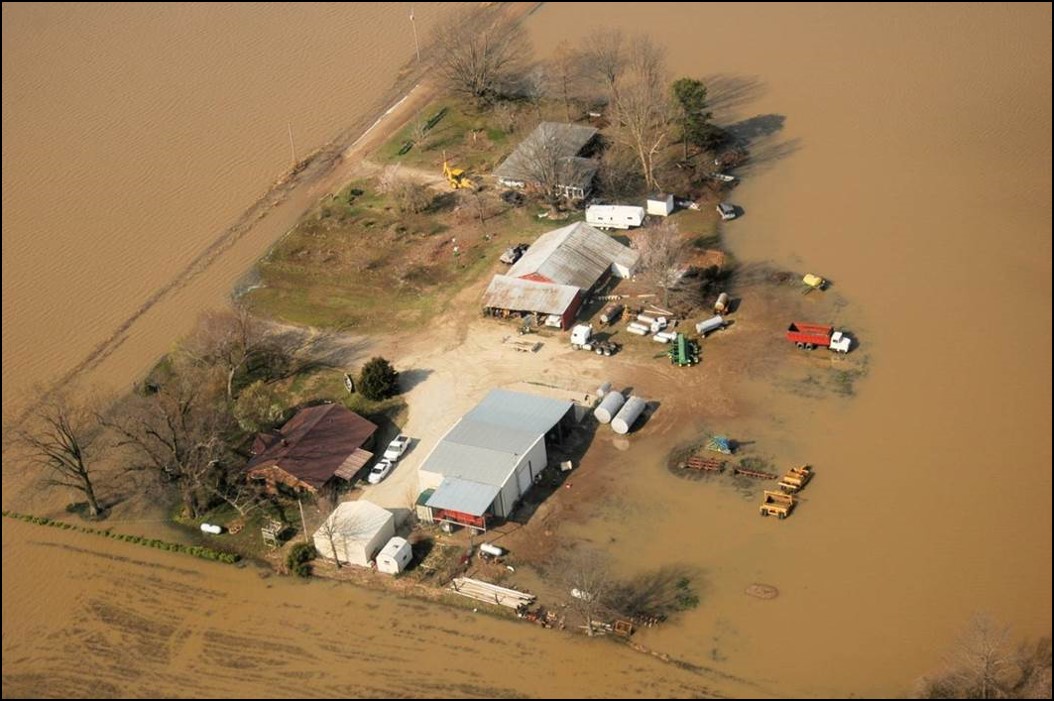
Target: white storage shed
[(357, 530)]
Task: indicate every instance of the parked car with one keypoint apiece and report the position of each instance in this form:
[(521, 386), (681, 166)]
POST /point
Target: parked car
[(396, 448), (726, 211), (513, 254), (378, 472)]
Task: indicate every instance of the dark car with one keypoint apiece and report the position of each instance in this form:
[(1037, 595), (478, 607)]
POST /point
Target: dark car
[(513, 254)]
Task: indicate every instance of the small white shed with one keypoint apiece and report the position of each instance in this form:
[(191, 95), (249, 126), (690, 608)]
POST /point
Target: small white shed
[(660, 205), (357, 529), (395, 556)]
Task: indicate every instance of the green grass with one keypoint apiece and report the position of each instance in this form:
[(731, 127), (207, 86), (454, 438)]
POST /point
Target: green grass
[(452, 134)]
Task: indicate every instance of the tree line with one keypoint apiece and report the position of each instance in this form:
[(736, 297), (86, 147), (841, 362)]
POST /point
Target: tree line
[(185, 431)]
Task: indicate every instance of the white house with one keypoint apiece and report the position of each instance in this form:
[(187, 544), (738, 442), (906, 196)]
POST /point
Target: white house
[(489, 459), (358, 530)]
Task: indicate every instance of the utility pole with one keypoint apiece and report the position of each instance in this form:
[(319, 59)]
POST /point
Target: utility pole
[(417, 45), (292, 148), (303, 521)]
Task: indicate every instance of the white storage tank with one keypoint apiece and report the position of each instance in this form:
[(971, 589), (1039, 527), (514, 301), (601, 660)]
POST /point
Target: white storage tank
[(629, 414), (707, 325), (491, 549), (610, 406), (395, 556), (603, 389)]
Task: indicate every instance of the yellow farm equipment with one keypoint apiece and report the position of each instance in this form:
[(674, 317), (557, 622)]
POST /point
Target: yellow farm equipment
[(456, 177)]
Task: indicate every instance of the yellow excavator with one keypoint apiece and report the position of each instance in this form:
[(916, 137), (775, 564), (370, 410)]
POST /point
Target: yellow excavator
[(456, 177)]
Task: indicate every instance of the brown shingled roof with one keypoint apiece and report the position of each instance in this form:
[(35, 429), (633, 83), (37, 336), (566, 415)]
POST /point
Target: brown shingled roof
[(312, 445)]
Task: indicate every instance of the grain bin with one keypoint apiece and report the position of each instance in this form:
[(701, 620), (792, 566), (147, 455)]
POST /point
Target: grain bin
[(613, 401), (629, 414)]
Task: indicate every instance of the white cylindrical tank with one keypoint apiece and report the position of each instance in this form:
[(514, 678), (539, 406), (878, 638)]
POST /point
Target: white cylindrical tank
[(628, 415), (603, 389), (646, 318), (707, 325), (721, 305), (613, 401), (491, 549), (211, 529), (637, 330)]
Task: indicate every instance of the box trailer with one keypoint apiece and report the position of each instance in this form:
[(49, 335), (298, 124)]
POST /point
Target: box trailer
[(614, 216)]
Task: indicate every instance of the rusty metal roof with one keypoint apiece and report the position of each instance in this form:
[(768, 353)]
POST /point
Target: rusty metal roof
[(506, 292), (576, 255), (313, 445)]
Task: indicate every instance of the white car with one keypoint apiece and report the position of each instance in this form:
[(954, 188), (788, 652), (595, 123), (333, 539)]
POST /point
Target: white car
[(378, 472), (396, 448), (726, 211)]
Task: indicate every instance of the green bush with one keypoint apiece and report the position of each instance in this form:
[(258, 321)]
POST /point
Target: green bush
[(195, 550), (378, 380), (299, 559)]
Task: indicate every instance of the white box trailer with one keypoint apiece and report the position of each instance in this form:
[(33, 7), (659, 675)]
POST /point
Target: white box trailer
[(614, 216), (395, 556)]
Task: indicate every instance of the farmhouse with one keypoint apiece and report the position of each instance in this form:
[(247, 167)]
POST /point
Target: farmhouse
[(318, 445), (552, 157)]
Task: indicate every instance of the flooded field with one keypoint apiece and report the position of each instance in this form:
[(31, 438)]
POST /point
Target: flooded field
[(902, 152)]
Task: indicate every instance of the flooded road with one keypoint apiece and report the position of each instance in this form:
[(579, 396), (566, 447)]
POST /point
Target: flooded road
[(903, 152)]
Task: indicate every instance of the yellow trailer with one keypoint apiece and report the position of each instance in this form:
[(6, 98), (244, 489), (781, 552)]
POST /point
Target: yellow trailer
[(795, 479), (777, 504)]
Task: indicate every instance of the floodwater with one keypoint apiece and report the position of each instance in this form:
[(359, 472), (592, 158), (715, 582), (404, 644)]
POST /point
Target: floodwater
[(902, 151)]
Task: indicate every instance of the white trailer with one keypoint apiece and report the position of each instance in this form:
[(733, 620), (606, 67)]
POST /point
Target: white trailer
[(614, 216)]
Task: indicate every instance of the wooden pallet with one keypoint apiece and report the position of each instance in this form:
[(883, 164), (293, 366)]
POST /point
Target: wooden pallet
[(756, 474), (697, 462)]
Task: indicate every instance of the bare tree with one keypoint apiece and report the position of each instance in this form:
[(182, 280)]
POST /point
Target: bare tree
[(590, 584), (644, 113), (177, 433), (565, 76), (662, 257), (410, 197), (604, 60), (329, 527), (478, 56), (245, 347), (982, 665), (229, 339), (62, 439)]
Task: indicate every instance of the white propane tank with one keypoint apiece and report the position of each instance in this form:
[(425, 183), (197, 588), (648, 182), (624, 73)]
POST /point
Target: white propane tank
[(707, 325), (603, 389), (491, 549), (646, 318), (629, 414), (610, 406), (211, 529)]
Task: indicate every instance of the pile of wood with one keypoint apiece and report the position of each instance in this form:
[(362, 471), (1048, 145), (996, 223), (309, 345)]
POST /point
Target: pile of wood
[(491, 593), (697, 462)]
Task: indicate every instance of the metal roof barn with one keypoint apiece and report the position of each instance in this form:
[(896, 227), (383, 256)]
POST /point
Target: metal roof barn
[(576, 255), (512, 293)]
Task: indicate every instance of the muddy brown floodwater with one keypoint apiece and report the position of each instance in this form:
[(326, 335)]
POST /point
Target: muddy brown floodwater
[(902, 151)]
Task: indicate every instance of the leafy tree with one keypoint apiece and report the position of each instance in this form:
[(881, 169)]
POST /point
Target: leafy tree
[(378, 380), (299, 559), (692, 112)]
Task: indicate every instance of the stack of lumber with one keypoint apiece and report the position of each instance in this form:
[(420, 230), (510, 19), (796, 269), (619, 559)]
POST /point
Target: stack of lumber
[(491, 593)]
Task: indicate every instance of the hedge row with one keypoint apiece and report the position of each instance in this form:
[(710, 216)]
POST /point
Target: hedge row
[(195, 550)]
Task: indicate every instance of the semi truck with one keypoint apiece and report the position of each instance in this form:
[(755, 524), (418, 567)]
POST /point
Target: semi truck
[(582, 338), (809, 336)]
